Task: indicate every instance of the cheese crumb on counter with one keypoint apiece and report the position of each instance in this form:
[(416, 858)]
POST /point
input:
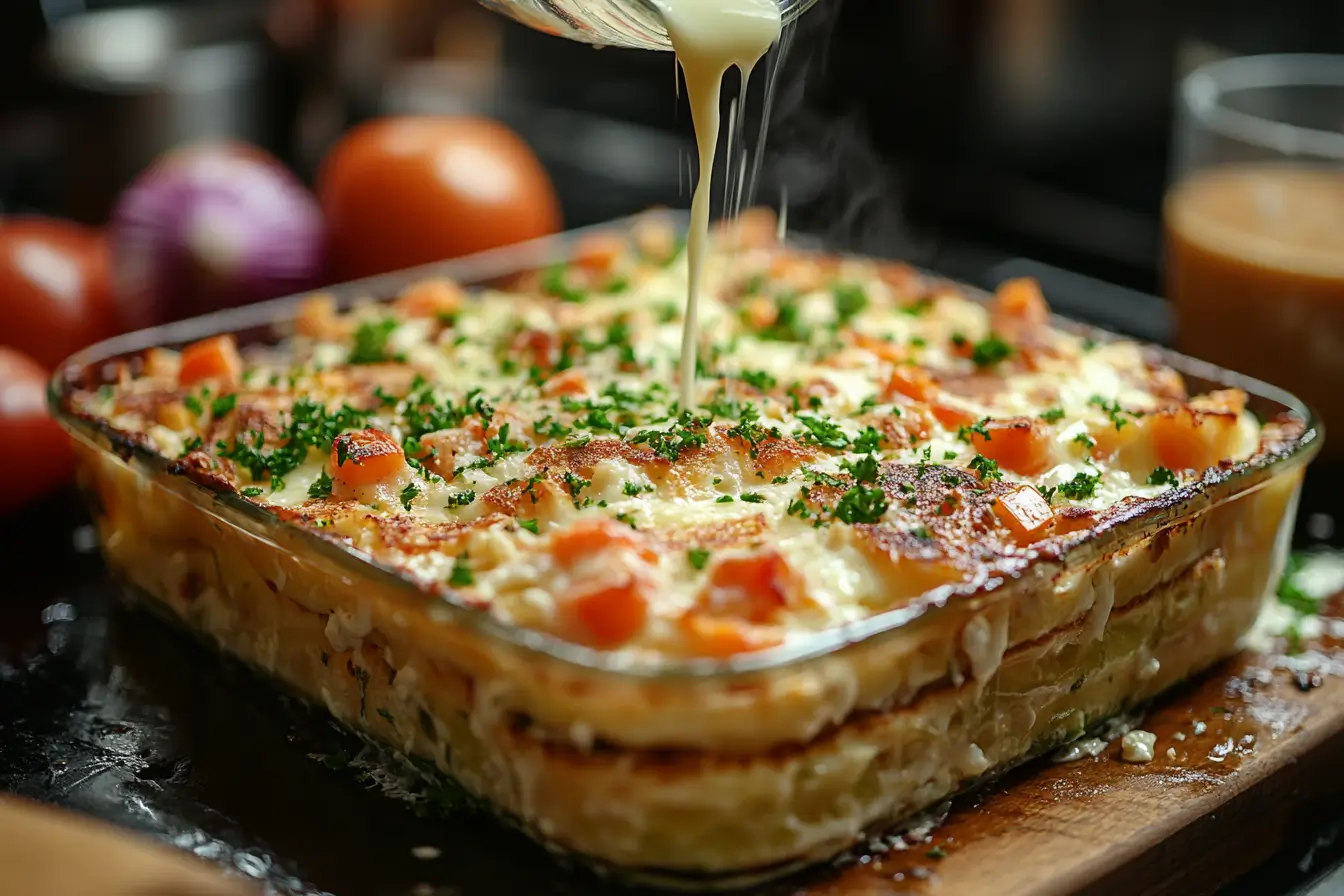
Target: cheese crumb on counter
[(1079, 749), (1137, 746)]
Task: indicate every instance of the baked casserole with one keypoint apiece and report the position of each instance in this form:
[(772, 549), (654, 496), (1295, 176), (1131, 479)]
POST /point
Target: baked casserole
[(906, 538)]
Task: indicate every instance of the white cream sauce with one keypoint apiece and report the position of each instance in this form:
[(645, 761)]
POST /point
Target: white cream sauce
[(709, 37)]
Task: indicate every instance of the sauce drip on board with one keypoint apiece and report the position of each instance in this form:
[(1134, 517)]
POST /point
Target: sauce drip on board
[(709, 37)]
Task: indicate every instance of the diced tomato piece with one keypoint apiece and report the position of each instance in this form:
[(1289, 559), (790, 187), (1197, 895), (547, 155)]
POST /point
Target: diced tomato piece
[(1026, 513), (610, 616), (436, 298), (536, 347), (599, 252), (886, 351), (591, 537), (1189, 439), (1018, 309), (720, 637), (902, 278), (366, 457), (753, 587), (567, 382), (215, 359), (951, 417), (912, 382), (1019, 444), (656, 240), (754, 228), (758, 312)]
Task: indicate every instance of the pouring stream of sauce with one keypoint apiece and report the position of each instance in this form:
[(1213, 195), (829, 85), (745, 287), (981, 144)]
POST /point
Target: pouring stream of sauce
[(710, 36)]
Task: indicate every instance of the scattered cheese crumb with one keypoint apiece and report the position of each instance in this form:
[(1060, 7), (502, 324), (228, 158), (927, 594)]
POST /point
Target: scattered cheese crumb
[(1090, 746), (1179, 735), (426, 852), (1171, 752), (1137, 746), (1200, 728)]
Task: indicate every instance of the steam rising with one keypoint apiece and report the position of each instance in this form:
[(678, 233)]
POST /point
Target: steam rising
[(838, 186)]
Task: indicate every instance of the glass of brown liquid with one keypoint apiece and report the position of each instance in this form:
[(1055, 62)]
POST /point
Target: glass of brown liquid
[(1255, 223)]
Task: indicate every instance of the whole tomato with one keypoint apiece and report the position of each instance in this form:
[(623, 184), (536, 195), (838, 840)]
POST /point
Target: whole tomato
[(54, 292), (398, 192), (35, 453)]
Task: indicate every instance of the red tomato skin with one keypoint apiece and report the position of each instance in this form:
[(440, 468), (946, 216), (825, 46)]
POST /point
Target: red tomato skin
[(35, 453), (55, 297), (403, 191)]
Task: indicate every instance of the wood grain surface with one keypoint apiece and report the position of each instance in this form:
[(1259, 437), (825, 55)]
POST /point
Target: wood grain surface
[(1244, 756)]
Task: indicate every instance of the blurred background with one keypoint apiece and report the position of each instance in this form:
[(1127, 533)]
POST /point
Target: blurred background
[(927, 127)]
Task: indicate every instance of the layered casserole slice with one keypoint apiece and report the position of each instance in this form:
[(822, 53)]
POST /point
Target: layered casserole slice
[(904, 539)]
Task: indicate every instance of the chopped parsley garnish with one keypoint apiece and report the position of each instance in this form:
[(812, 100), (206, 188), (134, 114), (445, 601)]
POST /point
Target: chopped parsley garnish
[(554, 283), (753, 498), (1085, 440), (825, 433), (194, 405), (500, 444), (1053, 415), (865, 469), (222, 405), (385, 398), (669, 444), (949, 455), (787, 326), (698, 557), (964, 433), (869, 440), (530, 525), (321, 487), (849, 301), (627, 519), (987, 469), (918, 307), (758, 379), (192, 444), (461, 499), (1080, 487), (310, 425), (921, 532), (990, 351), (409, 494), (1163, 476), (749, 430), (1293, 595), (461, 576), (821, 478), (371, 342), (253, 492), (861, 504), (1113, 410), (724, 499), (634, 489), (936, 853), (575, 485)]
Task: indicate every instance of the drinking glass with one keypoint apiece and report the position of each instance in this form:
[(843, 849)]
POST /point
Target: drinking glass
[(615, 23), (1254, 221)]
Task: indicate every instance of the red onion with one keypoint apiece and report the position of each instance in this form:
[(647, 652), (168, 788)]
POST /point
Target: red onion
[(210, 226)]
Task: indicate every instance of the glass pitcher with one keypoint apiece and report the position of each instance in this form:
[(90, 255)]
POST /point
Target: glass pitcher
[(611, 23)]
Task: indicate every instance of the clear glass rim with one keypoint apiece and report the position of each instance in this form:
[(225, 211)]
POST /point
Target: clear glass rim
[(1203, 90), (1126, 528)]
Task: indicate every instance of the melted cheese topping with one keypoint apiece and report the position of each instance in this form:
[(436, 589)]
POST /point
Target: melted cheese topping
[(860, 436)]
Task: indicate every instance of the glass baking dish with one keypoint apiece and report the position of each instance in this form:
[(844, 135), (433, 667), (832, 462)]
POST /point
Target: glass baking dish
[(545, 730)]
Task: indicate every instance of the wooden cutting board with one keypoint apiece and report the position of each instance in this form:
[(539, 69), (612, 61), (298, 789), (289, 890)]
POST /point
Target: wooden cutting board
[(1243, 755)]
